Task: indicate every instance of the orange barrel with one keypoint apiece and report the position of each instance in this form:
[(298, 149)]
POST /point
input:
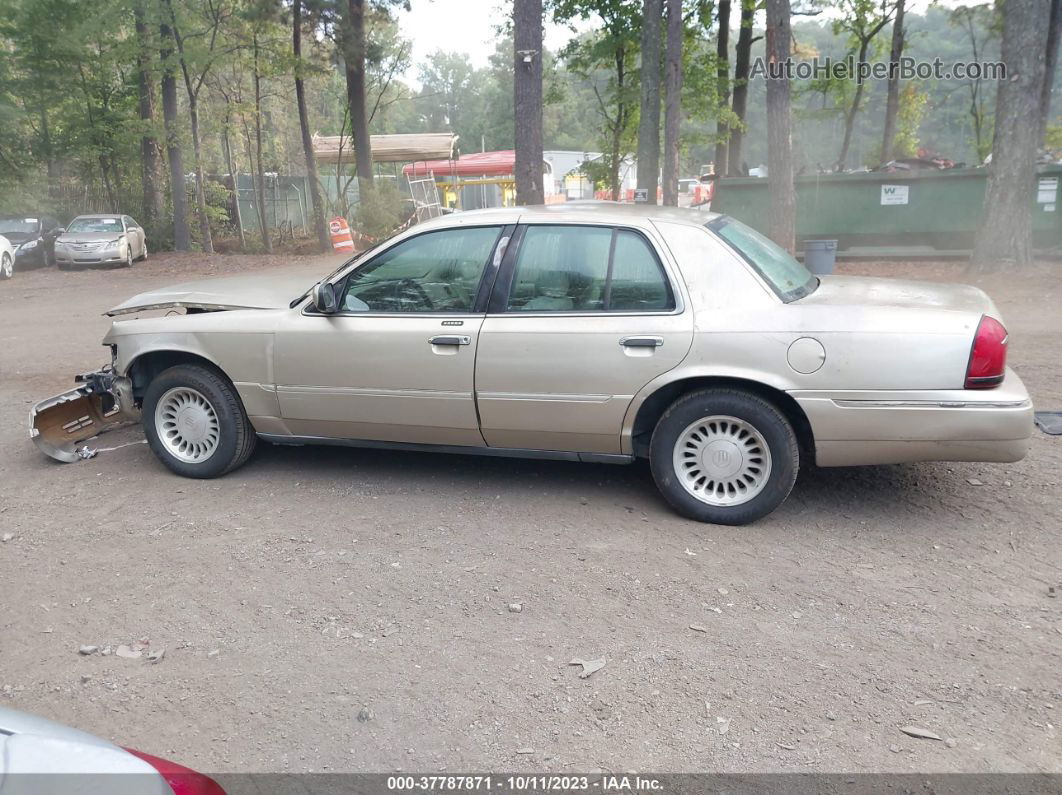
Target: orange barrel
[(341, 237)]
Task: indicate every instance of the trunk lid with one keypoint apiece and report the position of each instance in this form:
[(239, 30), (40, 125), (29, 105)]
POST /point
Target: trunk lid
[(902, 294)]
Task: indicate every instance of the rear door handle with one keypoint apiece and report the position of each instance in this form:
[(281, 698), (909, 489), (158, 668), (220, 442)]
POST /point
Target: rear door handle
[(641, 342), (451, 339)]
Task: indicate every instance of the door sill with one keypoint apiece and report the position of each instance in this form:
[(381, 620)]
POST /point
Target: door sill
[(499, 452)]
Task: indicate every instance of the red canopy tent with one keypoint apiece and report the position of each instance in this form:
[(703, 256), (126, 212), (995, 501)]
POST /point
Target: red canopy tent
[(478, 164)]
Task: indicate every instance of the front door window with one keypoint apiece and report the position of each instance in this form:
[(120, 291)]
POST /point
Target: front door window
[(433, 272)]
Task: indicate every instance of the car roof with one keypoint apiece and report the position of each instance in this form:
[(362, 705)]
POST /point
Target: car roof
[(100, 215), (574, 212)]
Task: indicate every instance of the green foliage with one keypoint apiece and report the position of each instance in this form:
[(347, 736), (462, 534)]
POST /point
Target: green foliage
[(382, 210), (69, 105), (909, 118)]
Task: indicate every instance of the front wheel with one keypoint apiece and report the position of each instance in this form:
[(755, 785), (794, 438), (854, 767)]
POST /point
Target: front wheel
[(143, 253), (195, 423), (7, 266), (724, 456)]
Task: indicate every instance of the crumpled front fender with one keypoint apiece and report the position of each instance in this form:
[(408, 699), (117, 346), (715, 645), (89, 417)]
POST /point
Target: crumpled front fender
[(101, 402)]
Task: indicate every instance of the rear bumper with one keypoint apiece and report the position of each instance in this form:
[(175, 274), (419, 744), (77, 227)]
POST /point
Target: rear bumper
[(860, 427)]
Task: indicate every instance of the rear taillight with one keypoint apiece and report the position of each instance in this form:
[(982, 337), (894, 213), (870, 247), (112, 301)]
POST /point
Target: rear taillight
[(988, 357), (182, 780)]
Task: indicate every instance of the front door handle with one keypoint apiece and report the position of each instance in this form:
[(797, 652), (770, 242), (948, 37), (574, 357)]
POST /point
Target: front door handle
[(451, 339), (641, 342)]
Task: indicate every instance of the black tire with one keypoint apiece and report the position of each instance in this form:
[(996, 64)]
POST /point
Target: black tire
[(64, 266), (236, 439), (7, 266), (750, 409), (128, 257)]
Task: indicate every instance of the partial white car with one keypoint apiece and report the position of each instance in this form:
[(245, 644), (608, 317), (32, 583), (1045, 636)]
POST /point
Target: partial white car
[(41, 757), (7, 258)]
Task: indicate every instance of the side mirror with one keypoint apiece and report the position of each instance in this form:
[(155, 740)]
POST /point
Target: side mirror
[(323, 297)]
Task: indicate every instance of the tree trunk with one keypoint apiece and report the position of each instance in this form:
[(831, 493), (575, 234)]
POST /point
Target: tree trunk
[(722, 79), (1054, 33), (230, 164), (1004, 237), (108, 186), (672, 101), (892, 100), (205, 239), (782, 202), (263, 226), (319, 225), (181, 239), (649, 120), (853, 110), (354, 56), (49, 152), (150, 152), (527, 100), (739, 104), (617, 130)]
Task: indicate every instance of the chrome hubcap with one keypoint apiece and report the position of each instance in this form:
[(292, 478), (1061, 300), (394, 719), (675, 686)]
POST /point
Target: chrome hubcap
[(187, 425), (722, 460), (6, 266)]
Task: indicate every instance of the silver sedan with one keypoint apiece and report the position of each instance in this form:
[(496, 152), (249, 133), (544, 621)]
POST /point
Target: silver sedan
[(98, 239), (594, 332)]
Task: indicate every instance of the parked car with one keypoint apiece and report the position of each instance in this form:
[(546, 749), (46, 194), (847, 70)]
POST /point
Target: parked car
[(592, 332), (41, 756), (7, 258), (95, 239), (33, 237)]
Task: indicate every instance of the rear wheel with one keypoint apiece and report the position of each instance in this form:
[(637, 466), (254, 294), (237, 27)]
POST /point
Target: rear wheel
[(7, 266), (724, 456), (195, 423)]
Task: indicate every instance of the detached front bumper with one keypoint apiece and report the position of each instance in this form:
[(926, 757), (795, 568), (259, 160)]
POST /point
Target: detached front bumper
[(102, 402)]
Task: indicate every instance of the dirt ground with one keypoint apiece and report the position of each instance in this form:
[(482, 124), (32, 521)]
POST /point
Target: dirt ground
[(342, 610)]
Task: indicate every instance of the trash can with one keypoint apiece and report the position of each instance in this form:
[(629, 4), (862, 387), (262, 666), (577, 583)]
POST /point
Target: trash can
[(819, 256)]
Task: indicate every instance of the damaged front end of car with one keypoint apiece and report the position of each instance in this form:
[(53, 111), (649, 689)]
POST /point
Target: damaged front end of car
[(102, 401)]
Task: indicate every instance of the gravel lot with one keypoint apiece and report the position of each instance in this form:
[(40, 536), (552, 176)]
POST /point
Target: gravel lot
[(341, 610)]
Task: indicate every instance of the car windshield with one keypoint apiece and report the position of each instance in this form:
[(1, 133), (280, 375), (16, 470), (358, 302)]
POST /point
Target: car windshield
[(95, 225), (21, 226), (780, 270)]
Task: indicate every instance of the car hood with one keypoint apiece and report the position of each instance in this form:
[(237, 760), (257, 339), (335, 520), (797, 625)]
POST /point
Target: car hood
[(90, 237), (18, 237), (249, 291), (900, 293)]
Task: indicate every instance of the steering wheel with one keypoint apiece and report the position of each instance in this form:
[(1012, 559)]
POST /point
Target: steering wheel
[(409, 286)]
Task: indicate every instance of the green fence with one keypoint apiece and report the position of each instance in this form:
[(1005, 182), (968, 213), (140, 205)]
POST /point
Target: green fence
[(925, 213)]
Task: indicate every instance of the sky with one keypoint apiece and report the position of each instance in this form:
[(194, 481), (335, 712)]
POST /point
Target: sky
[(473, 27), (469, 26)]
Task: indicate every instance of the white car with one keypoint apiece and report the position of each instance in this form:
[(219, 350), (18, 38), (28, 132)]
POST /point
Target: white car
[(42, 757), (7, 258)]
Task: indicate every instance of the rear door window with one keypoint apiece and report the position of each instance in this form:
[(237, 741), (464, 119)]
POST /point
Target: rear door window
[(568, 268)]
